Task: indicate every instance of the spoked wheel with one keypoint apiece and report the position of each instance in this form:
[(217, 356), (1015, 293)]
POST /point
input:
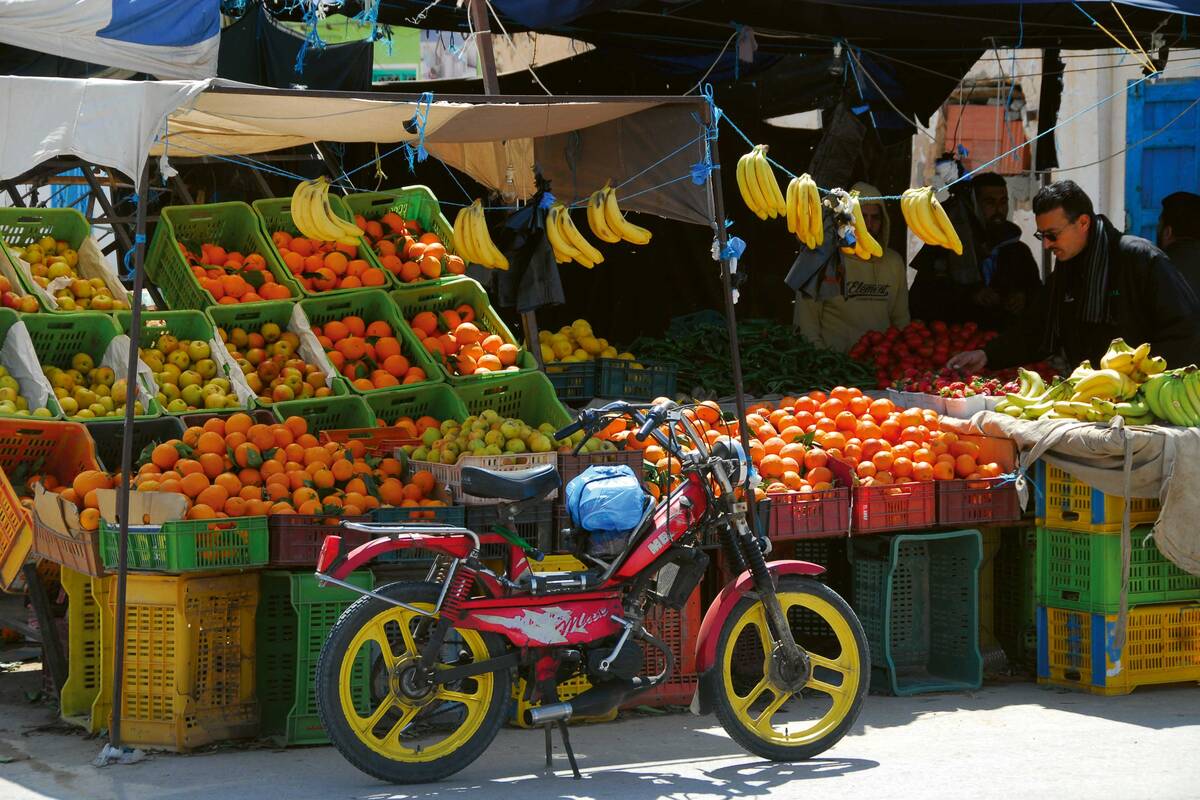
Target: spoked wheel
[(791, 712), (376, 709)]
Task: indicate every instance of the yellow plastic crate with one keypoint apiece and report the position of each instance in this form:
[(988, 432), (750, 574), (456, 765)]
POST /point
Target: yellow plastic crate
[(568, 689), (1162, 645), (85, 596), (1067, 503), (189, 676)]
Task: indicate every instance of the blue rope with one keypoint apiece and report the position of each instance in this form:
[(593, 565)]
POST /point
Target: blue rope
[(1012, 64), (858, 83), (311, 39), (422, 116), (457, 183), (139, 238)]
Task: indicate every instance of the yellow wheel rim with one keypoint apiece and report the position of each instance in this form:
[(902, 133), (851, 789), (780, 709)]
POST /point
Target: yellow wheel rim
[(400, 727), (833, 684)]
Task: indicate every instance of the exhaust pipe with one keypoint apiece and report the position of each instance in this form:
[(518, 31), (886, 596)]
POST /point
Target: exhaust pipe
[(544, 715)]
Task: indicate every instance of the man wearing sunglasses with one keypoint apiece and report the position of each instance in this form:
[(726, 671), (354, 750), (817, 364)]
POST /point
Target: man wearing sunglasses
[(1105, 284)]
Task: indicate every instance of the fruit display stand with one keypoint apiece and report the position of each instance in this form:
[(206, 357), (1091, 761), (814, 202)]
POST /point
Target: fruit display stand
[(189, 660), (372, 306), (1067, 503), (416, 203), (24, 226), (448, 295), (275, 214), (917, 596), (290, 318), (1077, 649), (293, 619), (57, 339), (192, 326), (233, 226), (28, 449), (436, 400), (19, 359)]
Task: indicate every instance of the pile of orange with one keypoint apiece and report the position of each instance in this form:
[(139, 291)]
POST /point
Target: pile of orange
[(324, 266), (233, 278), (453, 339), (369, 355), (81, 492), (413, 428), (233, 467), (406, 251), (881, 444)]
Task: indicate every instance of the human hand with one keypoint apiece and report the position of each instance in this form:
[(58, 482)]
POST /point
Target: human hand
[(1015, 303), (971, 361), (986, 297)]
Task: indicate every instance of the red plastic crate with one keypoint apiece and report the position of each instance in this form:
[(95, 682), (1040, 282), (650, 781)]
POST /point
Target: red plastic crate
[(296, 539), (678, 630), (817, 515), (81, 555), (984, 501), (894, 507)]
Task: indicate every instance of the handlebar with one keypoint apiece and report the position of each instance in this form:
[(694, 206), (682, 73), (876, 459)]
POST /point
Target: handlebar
[(655, 418)]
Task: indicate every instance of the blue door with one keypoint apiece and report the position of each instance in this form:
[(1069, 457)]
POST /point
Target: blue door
[(1169, 162)]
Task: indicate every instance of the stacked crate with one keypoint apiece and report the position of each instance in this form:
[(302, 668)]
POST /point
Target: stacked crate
[(1079, 576)]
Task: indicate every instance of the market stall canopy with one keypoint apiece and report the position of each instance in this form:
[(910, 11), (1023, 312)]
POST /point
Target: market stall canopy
[(164, 38), (577, 143)]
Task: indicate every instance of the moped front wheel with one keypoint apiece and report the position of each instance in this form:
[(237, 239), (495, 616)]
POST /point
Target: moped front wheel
[(791, 712), (378, 713)]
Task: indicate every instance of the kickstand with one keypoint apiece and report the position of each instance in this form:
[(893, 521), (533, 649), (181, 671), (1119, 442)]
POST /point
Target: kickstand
[(566, 738)]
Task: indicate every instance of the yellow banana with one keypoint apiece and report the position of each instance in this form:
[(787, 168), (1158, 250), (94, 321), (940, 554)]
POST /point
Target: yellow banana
[(333, 221), (596, 221), (864, 241), (490, 256), (300, 212), (949, 235), (748, 186), (771, 183), (563, 251), (572, 235), (763, 178), (792, 201), (634, 234), (816, 224), (462, 237)]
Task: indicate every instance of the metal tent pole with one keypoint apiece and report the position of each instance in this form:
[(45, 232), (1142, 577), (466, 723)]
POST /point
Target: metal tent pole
[(717, 203), (135, 325)]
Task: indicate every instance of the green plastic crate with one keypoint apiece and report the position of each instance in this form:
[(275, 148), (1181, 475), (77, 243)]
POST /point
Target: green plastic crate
[(184, 325), (57, 338), (294, 617), (373, 305), (450, 294), (411, 203), (1082, 572), (619, 379), (233, 226), (8, 318), (917, 596), (1015, 592), (22, 226), (108, 435), (194, 545), (528, 397), (573, 382), (328, 413), (275, 214), (438, 401)]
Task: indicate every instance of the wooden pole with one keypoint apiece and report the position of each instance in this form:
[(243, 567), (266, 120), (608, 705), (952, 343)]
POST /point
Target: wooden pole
[(135, 326)]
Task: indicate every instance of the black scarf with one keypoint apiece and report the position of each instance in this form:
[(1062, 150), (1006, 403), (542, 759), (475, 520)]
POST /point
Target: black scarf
[(1091, 286)]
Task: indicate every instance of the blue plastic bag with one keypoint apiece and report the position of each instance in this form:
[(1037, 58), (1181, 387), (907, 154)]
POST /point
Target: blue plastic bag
[(607, 502)]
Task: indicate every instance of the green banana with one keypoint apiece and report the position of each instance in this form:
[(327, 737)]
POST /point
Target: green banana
[(1152, 389), (1136, 407), (1147, 419), (1191, 382), (1037, 410), (1072, 409)]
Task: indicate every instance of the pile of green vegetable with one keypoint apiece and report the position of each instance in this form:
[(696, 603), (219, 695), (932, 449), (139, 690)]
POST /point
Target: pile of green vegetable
[(775, 359)]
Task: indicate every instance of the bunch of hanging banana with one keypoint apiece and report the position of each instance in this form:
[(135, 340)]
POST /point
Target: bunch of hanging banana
[(865, 246), (756, 181), (803, 208), (314, 217), (608, 222), (1175, 396), (472, 240), (926, 218), (1136, 362), (566, 240)]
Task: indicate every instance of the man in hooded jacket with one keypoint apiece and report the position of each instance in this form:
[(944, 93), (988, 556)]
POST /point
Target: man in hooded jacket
[(858, 295), (1105, 285)]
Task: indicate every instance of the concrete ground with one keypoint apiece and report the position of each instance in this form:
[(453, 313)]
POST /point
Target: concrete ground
[(1012, 740)]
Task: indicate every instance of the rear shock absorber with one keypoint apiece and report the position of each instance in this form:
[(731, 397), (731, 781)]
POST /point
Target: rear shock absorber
[(462, 580)]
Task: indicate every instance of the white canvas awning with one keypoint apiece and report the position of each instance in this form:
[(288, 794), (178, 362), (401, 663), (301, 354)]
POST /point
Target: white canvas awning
[(578, 143)]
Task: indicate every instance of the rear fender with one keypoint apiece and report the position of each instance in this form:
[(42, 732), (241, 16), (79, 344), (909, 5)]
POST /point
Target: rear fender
[(334, 563), (722, 607)]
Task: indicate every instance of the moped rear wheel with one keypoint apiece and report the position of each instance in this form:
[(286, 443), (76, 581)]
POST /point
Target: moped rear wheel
[(376, 711), (791, 714)]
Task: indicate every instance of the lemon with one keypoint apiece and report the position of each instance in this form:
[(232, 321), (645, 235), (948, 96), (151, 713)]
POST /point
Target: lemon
[(591, 345)]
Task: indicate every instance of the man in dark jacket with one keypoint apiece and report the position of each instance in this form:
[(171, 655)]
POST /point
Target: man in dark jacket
[(996, 277), (1179, 234), (1104, 285)]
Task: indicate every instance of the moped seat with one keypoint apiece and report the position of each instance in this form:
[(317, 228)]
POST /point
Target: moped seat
[(518, 485)]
